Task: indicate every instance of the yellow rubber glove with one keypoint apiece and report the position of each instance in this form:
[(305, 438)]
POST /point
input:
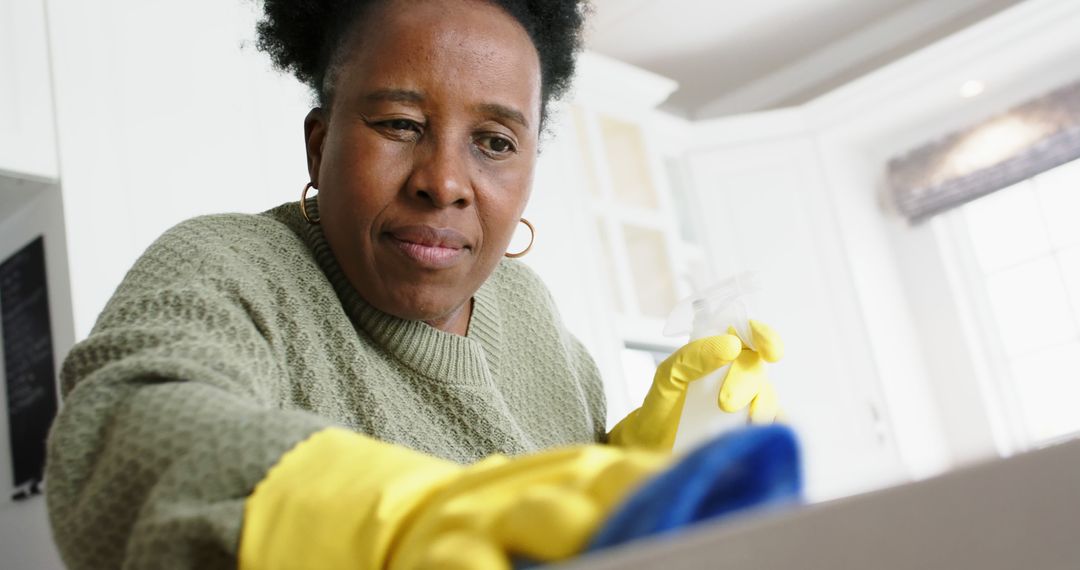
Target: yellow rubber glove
[(746, 383), (342, 500), (654, 424)]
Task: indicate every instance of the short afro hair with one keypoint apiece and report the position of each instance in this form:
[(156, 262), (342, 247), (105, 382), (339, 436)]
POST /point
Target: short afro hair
[(304, 37)]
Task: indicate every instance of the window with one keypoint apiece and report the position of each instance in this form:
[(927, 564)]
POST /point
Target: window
[(1024, 246)]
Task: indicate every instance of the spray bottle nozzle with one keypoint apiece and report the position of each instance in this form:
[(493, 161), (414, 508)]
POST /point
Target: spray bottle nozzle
[(715, 309)]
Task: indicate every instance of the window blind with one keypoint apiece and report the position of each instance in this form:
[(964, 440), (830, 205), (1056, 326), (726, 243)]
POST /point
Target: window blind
[(995, 154)]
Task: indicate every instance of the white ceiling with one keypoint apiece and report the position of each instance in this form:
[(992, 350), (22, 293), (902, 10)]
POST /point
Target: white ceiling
[(737, 56)]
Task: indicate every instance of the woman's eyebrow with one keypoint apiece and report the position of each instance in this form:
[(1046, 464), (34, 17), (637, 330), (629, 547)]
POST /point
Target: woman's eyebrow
[(395, 95), (409, 96), (503, 112)]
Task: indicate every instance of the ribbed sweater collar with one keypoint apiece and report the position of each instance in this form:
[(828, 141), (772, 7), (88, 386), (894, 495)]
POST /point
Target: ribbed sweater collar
[(437, 355)]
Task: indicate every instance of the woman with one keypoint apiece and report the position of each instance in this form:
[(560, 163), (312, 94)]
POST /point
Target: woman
[(319, 385)]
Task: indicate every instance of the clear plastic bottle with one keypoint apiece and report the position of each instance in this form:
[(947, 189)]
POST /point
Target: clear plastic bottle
[(720, 307)]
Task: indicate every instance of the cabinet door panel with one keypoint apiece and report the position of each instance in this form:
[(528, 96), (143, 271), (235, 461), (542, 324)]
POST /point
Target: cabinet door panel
[(767, 212)]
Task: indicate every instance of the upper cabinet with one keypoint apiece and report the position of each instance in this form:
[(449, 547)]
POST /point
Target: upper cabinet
[(614, 243), (631, 157), (27, 130)]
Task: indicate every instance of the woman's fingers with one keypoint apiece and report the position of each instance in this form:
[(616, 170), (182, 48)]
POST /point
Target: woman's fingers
[(696, 359), (765, 407), (766, 341), (555, 521), (720, 349), (463, 550), (742, 383), (548, 523), (612, 485)]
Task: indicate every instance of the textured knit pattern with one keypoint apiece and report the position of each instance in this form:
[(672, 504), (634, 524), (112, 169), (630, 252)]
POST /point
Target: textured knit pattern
[(235, 337)]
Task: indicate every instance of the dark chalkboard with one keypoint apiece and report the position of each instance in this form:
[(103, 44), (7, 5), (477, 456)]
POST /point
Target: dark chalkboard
[(28, 362)]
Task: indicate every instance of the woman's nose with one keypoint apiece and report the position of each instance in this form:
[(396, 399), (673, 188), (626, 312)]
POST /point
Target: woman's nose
[(440, 175)]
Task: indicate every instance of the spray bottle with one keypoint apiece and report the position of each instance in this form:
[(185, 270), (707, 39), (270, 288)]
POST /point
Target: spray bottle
[(712, 312)]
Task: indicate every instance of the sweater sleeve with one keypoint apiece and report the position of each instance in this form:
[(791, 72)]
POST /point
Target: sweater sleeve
[(169, 421), (593, 387)]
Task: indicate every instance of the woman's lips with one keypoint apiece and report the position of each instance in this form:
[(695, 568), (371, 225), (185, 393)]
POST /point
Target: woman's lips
[(429, 247)]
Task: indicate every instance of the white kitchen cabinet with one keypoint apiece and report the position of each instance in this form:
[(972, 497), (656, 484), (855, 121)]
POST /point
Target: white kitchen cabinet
[(608, 244), (760, 186)]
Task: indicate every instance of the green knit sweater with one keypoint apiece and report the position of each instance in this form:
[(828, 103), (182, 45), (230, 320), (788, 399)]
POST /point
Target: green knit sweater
[(233, 338)]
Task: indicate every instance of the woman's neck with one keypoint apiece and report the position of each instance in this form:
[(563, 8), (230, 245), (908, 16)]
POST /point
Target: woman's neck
[(456, 322)]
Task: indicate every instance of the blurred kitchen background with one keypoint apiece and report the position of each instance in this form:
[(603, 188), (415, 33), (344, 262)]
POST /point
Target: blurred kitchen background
[(900, 174)]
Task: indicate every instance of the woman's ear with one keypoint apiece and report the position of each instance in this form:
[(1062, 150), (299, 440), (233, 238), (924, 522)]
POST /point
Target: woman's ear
[(315, 126)]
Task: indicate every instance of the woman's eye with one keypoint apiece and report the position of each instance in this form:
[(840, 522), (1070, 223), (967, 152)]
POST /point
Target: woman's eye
[(497, 145), (403, 125), (406, 130)]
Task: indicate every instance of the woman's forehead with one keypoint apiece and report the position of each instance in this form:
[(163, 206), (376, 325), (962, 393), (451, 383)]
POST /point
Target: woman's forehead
[(426, 49)]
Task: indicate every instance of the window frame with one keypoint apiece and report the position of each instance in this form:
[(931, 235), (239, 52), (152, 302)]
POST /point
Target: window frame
[(993, 365)]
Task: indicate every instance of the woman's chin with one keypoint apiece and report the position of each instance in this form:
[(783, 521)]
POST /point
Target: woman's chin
[(434, 309)]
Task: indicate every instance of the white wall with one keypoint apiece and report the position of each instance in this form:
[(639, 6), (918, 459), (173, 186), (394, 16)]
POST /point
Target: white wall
[(164, 111), (27, 142)]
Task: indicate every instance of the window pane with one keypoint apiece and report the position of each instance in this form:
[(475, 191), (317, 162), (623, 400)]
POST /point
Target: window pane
[(1059, 195), (1048, 384), (1006, 227), (607, 261), (650, 267), (1031, 306), (628, 163), (680, 197)]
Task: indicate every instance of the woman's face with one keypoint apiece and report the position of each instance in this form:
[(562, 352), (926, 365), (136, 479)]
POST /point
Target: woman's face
[(425, 160)]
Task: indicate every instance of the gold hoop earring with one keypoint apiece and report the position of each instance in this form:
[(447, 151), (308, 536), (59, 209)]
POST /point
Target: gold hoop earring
[(303, 205), (532, 238)]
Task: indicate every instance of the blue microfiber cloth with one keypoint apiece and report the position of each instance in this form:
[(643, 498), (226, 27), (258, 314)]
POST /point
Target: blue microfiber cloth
[(752, 467)]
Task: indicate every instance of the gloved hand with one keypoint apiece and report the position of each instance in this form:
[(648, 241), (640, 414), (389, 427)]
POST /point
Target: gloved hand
[(746, 383), (343, 500), (654, 424)]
